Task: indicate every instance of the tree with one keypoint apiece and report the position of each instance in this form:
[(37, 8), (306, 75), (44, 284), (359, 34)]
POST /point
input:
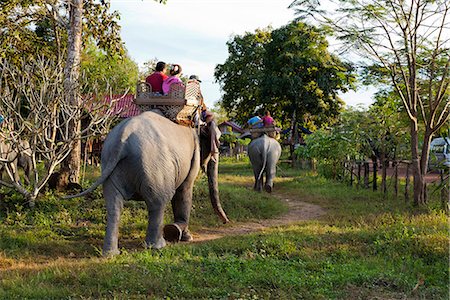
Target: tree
[(288, 71), (107, 73), (240, 76), (54, 29), (34, 106), (301, 78), (409, 41), (107, 34)]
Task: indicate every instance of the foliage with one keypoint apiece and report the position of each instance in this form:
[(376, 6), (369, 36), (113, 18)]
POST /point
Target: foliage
[(301, 78), (287, 70), (229, 138), (107, 73), (30, 27), (244, 142), (407, 42), (220, 114), (360, 249), (359, 134), (329, 148), (241, 74)]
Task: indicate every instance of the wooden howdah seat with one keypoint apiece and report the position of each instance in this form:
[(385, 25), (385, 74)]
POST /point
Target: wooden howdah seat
[(180, 105), (270, 131)]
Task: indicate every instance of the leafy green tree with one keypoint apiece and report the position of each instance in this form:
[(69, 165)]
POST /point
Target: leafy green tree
[(116, 74), (301, 77), (241, 75), (408, 41), (288, 71), (329, 147)]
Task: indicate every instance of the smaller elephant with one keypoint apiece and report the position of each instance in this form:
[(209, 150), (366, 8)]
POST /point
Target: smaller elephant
[(14, 156), (264, 153)]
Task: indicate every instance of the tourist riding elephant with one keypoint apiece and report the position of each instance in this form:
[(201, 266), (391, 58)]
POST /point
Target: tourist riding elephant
[(150, 158), (264, 153)]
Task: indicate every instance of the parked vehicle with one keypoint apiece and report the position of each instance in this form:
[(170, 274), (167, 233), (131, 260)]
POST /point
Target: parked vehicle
[(439, 153)]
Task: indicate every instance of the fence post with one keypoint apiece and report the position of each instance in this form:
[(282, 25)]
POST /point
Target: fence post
[(407, 183), (383, 177), (375, 169), (366, 175), (351, 174), (343, 171), (359, 175), (445, 200), (396, 179)]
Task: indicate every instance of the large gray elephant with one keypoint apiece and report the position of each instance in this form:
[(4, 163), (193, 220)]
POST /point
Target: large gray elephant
[(264, 153), (150, 158)]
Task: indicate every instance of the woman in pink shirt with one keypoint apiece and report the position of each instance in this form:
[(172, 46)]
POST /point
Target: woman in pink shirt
[(175, 73), (267, 119)]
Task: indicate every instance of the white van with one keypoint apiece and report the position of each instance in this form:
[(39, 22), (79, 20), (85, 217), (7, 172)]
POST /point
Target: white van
[(439, 153)]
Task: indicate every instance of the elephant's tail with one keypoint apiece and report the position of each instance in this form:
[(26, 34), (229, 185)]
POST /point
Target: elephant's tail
[(264, 154), (106, 172)]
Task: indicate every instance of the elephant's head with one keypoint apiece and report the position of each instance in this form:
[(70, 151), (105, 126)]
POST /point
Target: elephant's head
[(209, 153)]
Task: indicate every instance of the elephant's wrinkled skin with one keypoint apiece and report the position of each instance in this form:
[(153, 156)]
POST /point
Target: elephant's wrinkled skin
[(264, 153), (151, 158)]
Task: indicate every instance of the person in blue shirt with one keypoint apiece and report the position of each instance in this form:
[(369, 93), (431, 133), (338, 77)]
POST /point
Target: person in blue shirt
[(255, 122)]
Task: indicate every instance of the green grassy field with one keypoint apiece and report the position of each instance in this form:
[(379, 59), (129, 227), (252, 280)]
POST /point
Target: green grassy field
[(363, 248)]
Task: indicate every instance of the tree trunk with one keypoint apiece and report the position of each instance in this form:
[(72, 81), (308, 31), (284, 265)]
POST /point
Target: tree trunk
[(366, 175), (416, 166), (425, 151), (71, 166)]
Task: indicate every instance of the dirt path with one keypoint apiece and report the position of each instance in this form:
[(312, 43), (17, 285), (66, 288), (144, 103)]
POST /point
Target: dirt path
[(297, 211)]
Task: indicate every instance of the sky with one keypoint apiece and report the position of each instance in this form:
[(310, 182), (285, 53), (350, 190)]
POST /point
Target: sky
[(194, 33)]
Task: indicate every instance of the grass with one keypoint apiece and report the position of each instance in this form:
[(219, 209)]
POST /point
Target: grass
[(363, 248)]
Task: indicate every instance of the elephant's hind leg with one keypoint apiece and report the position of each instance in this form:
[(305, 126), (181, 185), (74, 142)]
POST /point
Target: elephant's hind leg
[(181, 207), (154, 238), (114, 204)]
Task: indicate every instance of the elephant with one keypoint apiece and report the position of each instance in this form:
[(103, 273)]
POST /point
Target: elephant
[(150, 158), (15, 156), (264, 153)]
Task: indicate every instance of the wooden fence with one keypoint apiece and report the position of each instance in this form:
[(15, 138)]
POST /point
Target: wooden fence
[(364, 174)]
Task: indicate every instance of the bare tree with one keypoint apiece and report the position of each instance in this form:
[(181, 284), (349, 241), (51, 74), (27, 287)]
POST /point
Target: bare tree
[(408, 40), (33, 103)]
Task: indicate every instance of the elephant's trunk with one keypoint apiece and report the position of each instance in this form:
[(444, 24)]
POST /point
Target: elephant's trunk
[(213, 174)]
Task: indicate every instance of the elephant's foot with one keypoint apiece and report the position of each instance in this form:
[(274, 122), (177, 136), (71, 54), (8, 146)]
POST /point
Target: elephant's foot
[(268, 188), (110, 252), (161, 243), (172, 233), (186, 236)]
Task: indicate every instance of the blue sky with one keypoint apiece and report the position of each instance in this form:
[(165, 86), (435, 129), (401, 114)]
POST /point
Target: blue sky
[(193, 33)]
